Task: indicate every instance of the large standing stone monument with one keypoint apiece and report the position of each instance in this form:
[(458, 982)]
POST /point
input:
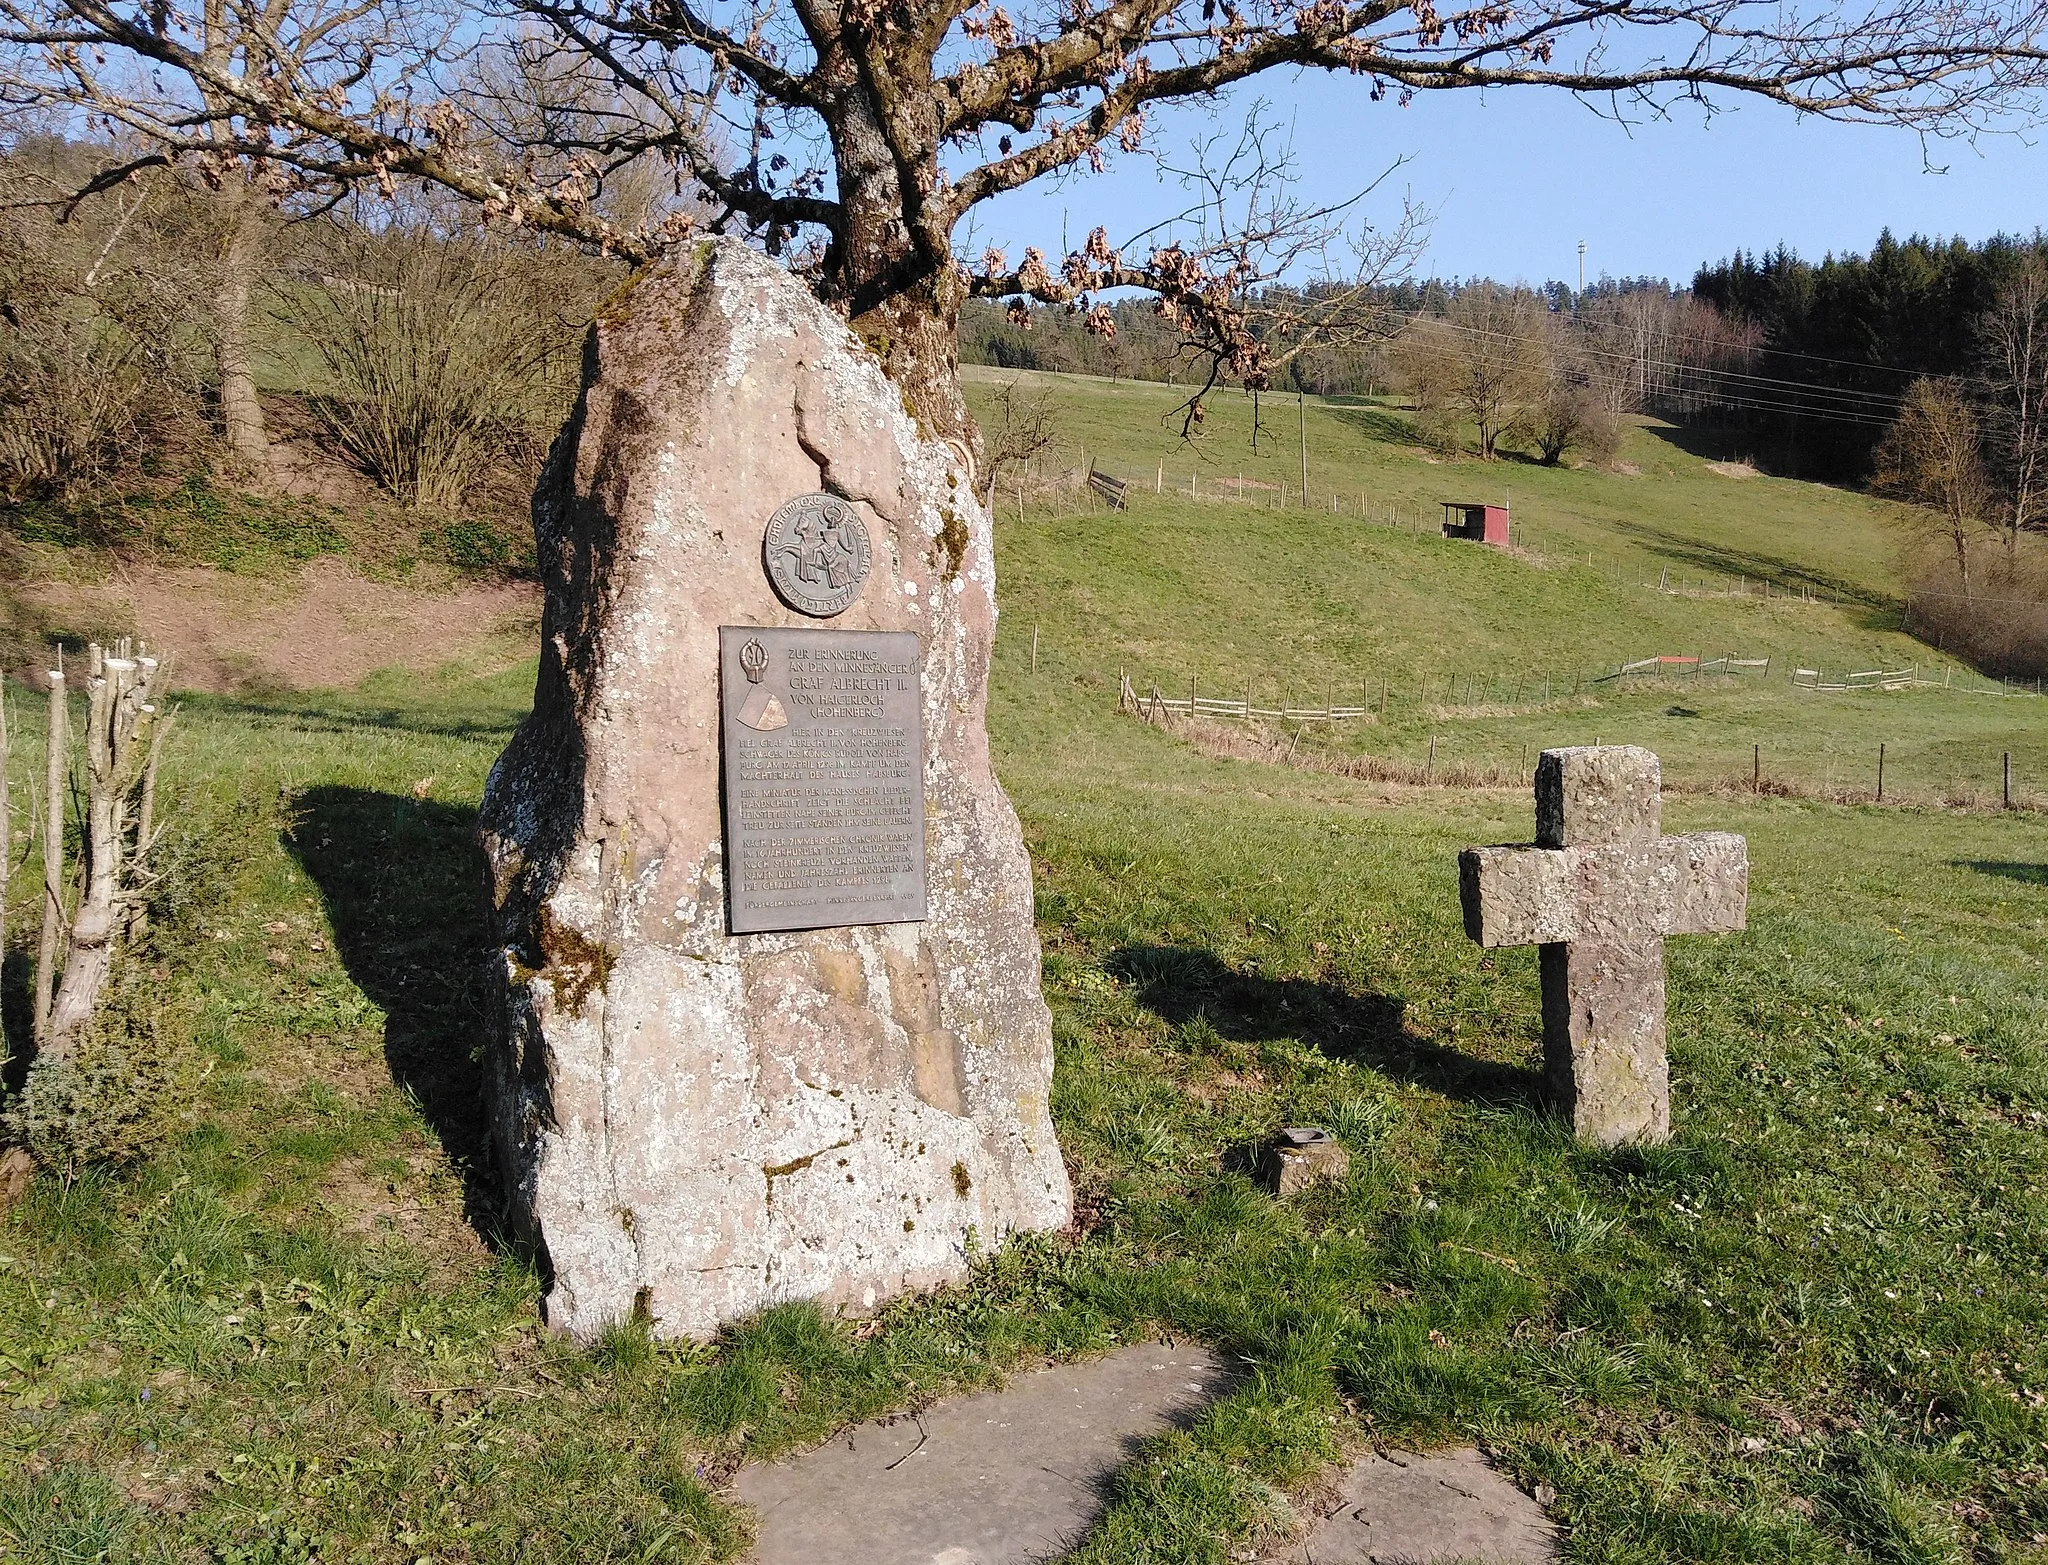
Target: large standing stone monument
[(1597, 894), (770, 1024)]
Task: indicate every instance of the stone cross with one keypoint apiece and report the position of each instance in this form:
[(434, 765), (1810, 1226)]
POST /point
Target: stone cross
[(1597, 893)]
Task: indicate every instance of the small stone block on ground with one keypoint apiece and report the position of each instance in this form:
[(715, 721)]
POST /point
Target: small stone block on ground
[(1002, 1478), (1304, 1156), (1448, 1508)]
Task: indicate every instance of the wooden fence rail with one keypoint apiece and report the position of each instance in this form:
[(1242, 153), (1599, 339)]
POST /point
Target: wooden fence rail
[(1111, 489)]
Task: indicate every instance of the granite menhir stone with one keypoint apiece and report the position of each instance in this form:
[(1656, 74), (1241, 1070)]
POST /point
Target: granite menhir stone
[(1597, 894), (688, 1123)]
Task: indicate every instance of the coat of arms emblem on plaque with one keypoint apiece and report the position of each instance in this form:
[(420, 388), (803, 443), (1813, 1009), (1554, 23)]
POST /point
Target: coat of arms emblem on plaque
[(763, 709), (816, 553)]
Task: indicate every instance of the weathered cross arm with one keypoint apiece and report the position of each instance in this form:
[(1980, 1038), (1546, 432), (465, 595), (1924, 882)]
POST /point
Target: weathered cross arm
[(1519, 895), (1597, 893), (1707, 873)]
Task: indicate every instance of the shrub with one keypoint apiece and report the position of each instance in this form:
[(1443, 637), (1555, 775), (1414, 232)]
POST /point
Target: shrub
[(93, 316), (1996, 620), (127, 1085), (439, 353)]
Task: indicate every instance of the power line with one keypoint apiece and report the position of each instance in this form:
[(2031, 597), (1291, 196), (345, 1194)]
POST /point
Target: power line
[(1844, 403)]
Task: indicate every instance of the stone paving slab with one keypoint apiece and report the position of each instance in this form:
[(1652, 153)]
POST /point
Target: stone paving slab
[(1002, 1478), (1404, 1509)]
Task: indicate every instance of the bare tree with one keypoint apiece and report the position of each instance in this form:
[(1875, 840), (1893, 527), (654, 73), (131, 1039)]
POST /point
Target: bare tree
[(1483, 361), (855, 136), (123, 743), (1932, 456), (2015, 346), (1022, 428)]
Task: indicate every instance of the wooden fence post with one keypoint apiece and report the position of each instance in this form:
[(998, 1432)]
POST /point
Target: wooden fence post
[(57, 770), (6, 851), (2008, 779), (1880, 774)]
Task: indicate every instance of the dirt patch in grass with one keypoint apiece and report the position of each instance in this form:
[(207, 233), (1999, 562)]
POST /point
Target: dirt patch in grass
[(328, 627), (1732, 469)]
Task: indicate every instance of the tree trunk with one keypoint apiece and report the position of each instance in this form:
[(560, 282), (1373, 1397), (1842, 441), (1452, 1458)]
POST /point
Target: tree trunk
[(241, 411), (118, 713), (904, 304)]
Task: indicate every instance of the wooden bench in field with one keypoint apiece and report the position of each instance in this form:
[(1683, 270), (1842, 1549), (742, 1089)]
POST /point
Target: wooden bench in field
[(1111, 489)]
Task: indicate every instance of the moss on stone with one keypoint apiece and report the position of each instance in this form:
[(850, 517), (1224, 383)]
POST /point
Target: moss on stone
[(571, 961)]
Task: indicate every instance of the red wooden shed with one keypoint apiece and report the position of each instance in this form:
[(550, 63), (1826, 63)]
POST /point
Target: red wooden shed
[(1479, 522)]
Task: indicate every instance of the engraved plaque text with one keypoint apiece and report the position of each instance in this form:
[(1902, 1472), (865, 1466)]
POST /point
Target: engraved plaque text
[(824, 777)]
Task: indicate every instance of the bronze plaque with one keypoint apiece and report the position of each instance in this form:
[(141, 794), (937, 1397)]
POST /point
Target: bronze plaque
[(823, 736)]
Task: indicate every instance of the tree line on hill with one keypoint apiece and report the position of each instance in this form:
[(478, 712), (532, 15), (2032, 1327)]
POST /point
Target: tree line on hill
[(1547, 371), (1921, 368)]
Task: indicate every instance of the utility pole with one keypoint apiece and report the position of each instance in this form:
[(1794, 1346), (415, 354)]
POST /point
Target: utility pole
[(1301, 404)]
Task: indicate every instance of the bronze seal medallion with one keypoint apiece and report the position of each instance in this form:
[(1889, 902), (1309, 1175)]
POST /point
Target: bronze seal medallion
[(816, 554)]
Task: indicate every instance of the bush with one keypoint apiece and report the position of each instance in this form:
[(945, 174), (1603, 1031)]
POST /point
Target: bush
[(1998, 621), (440, 353), (94, 318), (129, 1083)]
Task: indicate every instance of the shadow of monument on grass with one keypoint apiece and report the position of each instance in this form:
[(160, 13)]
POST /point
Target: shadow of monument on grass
[(1181, 983), (401, 879), (2007, 869)]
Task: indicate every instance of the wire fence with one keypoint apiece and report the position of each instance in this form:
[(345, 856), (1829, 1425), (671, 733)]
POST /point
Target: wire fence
[(1472, 693), (1215, 727)]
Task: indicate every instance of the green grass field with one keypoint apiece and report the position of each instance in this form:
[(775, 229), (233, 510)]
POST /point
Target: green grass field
[(1813, 1328), (1299, 606)]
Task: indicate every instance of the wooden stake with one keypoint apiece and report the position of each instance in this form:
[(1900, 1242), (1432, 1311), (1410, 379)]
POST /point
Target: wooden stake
[(1880, 774), (6, 853), (1756, 768), (53, 854), (2008, 779), (1429, 766), (1034, 649)]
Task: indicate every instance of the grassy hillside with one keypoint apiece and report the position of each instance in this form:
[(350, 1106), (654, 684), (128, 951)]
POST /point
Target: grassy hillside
[(1813, 1329), (1298, 605)]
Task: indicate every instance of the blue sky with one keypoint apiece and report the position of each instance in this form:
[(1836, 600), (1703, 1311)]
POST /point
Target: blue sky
[(1517, 178)]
